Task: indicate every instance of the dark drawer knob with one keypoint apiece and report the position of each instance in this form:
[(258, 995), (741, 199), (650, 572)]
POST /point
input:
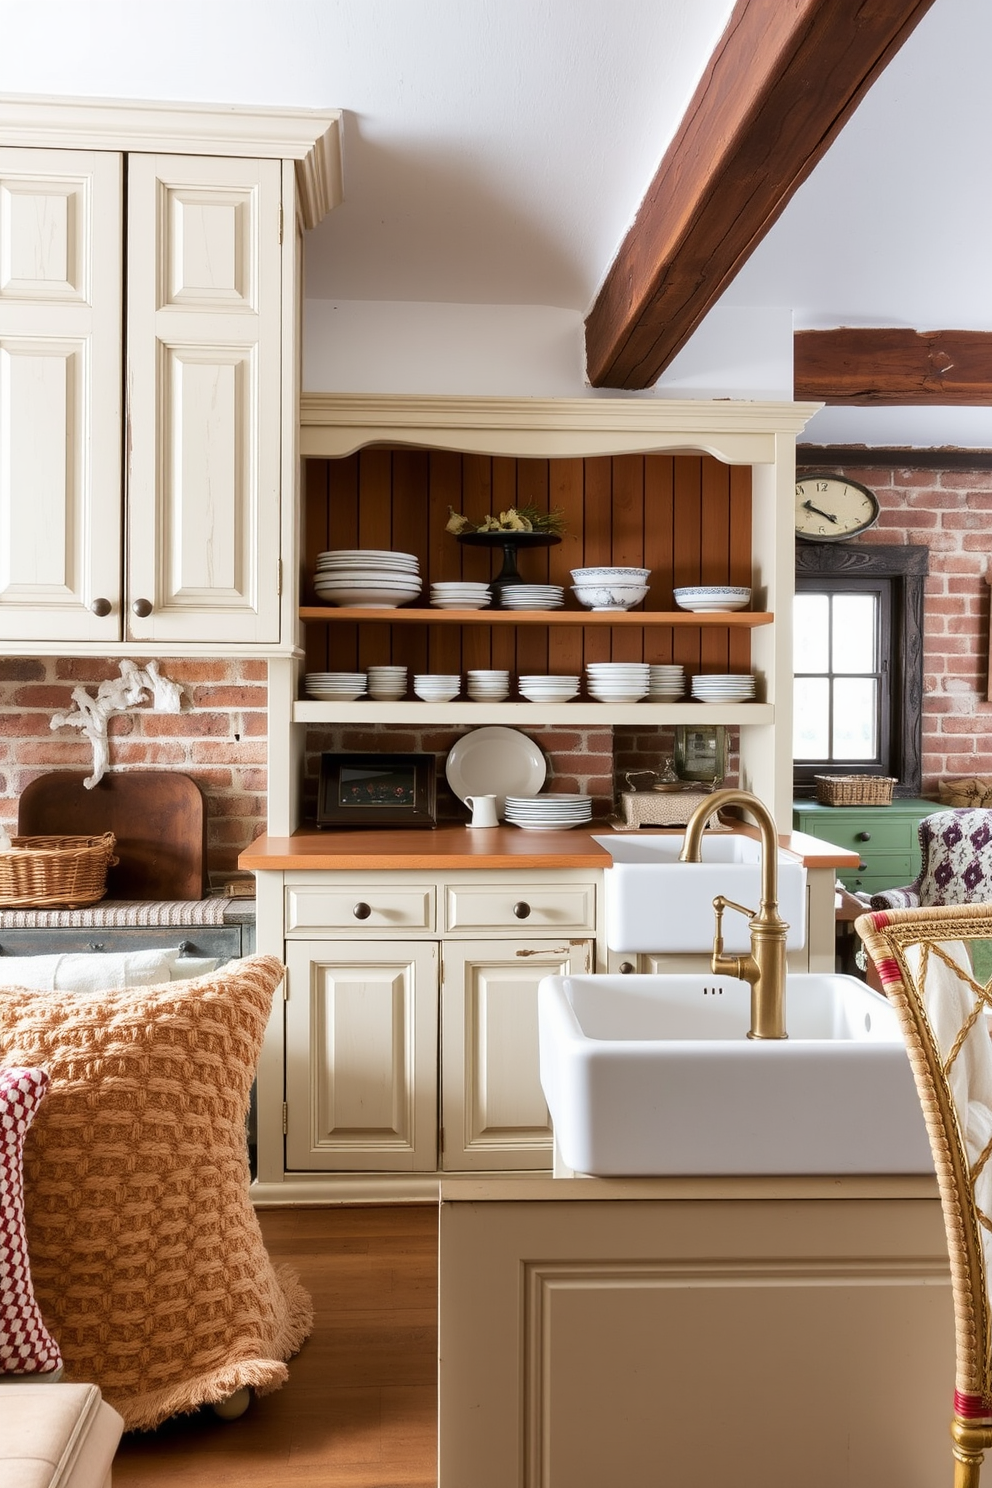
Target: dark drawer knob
[(142, 608), (101, 607), (95, 945), (626, 967), (362, 910), (186, 947), (862, 867), (862, 837), (521, 909)]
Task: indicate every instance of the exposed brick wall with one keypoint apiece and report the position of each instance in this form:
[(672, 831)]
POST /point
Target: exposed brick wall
[(220, 738), (950, 512)]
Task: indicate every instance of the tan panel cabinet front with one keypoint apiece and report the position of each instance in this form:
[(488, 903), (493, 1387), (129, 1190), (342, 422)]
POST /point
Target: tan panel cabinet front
[(520, 906), (363, 906), (494, 1114), (361, 1056)]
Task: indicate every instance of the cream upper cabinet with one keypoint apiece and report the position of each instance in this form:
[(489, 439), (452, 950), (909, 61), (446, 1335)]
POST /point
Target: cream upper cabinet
[(204, 396), (61, 314), (150, 288)]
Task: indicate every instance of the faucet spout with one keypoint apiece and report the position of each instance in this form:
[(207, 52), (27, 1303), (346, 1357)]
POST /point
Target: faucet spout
[(764, 969)]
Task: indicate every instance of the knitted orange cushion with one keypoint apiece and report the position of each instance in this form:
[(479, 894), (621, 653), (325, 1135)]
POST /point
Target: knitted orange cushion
[(146, 1254)]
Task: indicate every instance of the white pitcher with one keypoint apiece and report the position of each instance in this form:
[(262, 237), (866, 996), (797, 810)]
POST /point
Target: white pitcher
[(483, 811)]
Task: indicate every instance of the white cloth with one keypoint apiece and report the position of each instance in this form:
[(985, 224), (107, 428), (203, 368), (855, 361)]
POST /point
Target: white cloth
[(101, 971)]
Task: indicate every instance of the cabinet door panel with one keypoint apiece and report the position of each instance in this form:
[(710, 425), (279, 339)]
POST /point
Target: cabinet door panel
[(60, 394), (361, 1056), (494, 1111), (204, 397)]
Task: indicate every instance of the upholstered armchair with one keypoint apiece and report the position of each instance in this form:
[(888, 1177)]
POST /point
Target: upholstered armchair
[(956, 862)]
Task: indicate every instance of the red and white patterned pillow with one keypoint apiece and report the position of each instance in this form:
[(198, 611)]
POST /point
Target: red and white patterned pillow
[(26, 1346)]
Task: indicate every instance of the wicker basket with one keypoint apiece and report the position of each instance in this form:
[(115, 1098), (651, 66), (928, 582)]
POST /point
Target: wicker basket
[(855, 790), (55, 872)]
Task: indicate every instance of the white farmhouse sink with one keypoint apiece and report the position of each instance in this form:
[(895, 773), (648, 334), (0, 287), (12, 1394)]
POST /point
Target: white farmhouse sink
[(651, 1075), (655, 903)]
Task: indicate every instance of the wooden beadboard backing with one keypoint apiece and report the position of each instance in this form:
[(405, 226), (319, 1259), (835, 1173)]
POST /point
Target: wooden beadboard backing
[(686, 517)]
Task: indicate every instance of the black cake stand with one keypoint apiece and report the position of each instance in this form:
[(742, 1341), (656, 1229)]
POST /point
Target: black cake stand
[(511, 543)]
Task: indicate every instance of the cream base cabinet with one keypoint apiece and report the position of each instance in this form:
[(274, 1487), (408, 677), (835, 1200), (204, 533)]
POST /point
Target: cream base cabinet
[(493, 1111), (361, 1065)]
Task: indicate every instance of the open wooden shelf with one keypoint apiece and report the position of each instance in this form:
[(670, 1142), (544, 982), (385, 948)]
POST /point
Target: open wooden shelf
[(577, 713), (732, 619)]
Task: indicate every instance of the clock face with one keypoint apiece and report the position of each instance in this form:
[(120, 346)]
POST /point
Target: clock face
[(829, 508)]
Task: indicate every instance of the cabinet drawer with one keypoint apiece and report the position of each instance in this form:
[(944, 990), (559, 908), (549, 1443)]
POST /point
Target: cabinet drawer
[(474, 907), (363, 907), (867, 834)]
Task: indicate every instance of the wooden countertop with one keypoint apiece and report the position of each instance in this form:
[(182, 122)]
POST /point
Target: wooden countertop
[(455, 847)]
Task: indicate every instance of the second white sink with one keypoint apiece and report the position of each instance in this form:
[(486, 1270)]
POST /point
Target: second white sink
[(655, 1075), (652, 902)]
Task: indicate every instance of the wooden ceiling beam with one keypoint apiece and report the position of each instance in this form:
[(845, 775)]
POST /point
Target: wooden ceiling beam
[(888, 365), (784, 79)]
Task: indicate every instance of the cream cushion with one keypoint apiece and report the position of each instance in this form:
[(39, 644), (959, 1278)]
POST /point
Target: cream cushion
[(56, 1436), (96, 971)]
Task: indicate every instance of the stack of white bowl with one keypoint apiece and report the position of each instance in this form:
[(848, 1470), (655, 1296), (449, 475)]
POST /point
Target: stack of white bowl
[(610, 588), (539, 689), (458, 594), (387, 683), (723, 687), (666, 683), (334, 686), (367, 578), (488, 686), (550, 812), (437, 687), (532, 596), (617, 681)]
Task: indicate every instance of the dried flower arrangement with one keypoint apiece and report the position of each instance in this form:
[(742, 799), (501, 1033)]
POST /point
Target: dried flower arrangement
[(516, 519)]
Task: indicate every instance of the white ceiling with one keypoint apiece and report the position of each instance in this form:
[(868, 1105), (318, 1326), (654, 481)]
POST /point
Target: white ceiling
[(496, 150)]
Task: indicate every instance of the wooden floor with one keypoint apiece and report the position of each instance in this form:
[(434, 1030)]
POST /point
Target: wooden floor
[(360, 1407)]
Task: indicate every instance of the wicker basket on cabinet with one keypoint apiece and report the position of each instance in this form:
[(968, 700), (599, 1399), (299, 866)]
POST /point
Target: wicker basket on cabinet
[(855, 790)]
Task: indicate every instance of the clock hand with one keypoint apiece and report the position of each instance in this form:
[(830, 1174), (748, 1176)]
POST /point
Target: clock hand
[(808, 505)]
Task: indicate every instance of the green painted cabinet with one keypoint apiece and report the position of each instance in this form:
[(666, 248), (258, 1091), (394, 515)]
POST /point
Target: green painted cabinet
[(885, 837)]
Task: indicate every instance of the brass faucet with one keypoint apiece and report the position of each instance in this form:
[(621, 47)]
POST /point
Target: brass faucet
[(764, 968)]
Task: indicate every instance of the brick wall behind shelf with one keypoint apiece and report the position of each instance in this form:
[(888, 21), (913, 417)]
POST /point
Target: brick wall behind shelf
[(950, 512), (220, 738)]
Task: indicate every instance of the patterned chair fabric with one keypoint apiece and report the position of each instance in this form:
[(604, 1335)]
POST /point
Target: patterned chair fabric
[(956, 859)]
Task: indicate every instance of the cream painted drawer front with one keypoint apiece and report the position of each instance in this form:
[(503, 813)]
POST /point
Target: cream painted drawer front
[(519, 905), (361, 907)]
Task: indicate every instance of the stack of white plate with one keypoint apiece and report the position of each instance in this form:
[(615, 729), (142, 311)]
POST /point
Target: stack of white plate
[(334, 686), (387, 683), (532, 596), (617, 681), (488, 686), (538, 689), (367, 578), (550, 812), (437, 687), (723, 687), (460, 595), (666, 684)]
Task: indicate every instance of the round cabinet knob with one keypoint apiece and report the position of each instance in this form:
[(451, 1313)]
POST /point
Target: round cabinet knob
[(142, 608), (626, 967), (101, 607), (863, 837), (362, 911), (862, 866), (521, 909)]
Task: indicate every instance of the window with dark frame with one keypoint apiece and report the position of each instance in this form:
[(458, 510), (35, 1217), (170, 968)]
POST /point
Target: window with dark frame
[(858, 663)]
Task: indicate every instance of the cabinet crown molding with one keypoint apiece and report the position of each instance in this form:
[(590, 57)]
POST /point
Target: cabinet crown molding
[(309, 137)]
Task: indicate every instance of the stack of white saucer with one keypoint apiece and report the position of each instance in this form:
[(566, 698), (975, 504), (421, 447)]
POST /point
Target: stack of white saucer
[(387, 683), (532, 596), (539, 689), (666, 684), (550, 812), (334, 686), (460, 594), (617, 681), (723, 687), (488, 686), (368, 578)]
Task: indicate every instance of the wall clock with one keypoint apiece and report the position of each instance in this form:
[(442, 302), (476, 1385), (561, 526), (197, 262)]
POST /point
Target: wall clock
[(830, 508)]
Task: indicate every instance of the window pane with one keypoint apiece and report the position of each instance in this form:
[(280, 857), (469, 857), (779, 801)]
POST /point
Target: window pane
[(855, 714), (854, 625), (811, 729), (811, 621)]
